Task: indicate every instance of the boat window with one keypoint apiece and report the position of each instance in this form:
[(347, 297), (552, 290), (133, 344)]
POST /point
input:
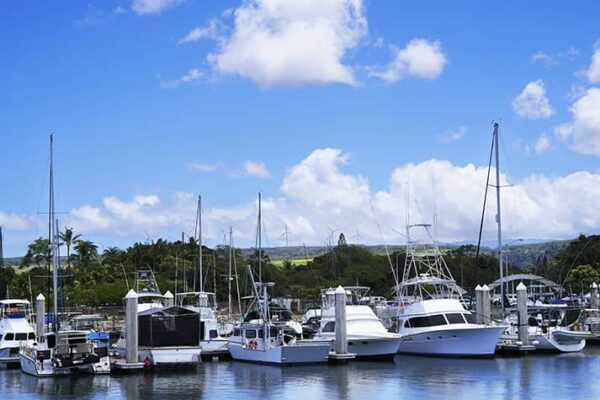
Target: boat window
[(213, 334), (21, 336), (431, 320), (0, 338), (10, 336), (329, 327), (260, 333), (250, 334), (407, 323), (470, 318), (237, 332), (31, 336), (51, 341), (455, 318)]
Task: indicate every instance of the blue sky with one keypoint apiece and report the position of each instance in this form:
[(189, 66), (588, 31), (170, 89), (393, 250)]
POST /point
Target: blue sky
[(327, 107)]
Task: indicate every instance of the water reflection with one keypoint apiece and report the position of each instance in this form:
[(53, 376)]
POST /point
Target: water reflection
[(552, 376)]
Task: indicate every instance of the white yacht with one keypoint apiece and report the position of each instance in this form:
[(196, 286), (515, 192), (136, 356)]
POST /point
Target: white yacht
[(366, 335), (148, 293), (60, 352), (545, 331), (432, 319), (204, 304), (15, 329)]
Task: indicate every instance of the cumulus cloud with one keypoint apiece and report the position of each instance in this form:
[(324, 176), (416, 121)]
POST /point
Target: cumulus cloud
[(543, 58), (147, 7), (419, 59), (532, 102), (584, 129), (15, 222), (593, 72), (292, 42), (317, 194), (256, 169)]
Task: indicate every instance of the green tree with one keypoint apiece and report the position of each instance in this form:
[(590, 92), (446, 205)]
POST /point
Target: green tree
[(69, 239), (39, 251), (87, 253), (582, 276)]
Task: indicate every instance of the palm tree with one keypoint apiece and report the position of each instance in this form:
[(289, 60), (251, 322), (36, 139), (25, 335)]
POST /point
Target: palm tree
[(87, 252), (69, 240)]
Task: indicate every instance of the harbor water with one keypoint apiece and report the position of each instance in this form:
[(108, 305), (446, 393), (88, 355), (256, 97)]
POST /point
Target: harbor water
[(574, 375)]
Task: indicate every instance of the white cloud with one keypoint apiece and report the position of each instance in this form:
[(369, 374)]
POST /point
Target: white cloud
[(280, 42), (532, 102), (419, 59), (146, 7), (15, 222), (593, 72), (210, 31), (204, 167), (192, 75), (584, 129), (542, 144), (257, 169), (455, 135), (543, 58)]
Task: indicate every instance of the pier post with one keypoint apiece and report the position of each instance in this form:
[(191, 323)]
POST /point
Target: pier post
[(485, 305), (40, 313), (594, 303), (131, 326), (478, 305), (523, 316), (341, 345), (168, 299)]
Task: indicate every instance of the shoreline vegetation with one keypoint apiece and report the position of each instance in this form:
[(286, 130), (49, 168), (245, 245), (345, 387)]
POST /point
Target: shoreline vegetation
[(91, 278)]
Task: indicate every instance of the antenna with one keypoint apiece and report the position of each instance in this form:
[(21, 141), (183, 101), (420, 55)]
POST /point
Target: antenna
[(1, 250)]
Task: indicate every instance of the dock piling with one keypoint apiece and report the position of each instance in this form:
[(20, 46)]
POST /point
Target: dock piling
[(40, 311), (523, 316), (478, 304), (486, 309), (594, 303)]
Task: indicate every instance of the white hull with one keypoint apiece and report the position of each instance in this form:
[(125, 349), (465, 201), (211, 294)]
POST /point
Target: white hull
[(549, 343), (363, 346), (170, 356), (300, 353), (460, 342), (214, 347), (36, 368)]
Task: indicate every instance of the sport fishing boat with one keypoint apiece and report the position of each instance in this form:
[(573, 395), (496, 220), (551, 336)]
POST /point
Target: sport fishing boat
[(432, 319), (61, 352), (15, 329), (271, 341), (366, 335)]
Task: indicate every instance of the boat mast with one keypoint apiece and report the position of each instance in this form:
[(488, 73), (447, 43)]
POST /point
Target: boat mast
[(498, 216), (200, 243), (229, 303), (53, 241), (259, 239)]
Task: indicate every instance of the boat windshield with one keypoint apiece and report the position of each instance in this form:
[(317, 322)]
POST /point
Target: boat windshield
[(14, 310)]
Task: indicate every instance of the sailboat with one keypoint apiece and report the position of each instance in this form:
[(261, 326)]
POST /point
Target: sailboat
[(61, 352), (266, 339), (204, 303), (432, 319)]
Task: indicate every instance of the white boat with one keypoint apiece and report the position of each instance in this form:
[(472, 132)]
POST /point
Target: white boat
[(167, 337), (366, 335), (432, 319), (148, 293), (15, 329), (203, 303), (61, 352), (545, 331), (272, 342)]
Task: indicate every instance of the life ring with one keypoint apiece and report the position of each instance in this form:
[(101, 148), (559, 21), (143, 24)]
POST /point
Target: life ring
[(252, 345)]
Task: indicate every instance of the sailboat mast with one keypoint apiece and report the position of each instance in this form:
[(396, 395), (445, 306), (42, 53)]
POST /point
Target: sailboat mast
[(200, 243), (259, 239), (229, 303), (499, 215), (53, 241)]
